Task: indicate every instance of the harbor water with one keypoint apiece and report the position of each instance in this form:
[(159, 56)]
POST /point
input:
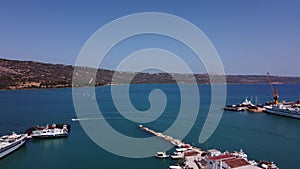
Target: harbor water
[(262, 136)]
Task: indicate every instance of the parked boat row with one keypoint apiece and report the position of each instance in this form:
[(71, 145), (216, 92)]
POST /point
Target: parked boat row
[(287, 109), (246, 105), (178, 154), (193, 157), (12, 142)]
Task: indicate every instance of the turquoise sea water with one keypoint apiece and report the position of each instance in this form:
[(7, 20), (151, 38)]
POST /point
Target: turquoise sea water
[(261, 136)]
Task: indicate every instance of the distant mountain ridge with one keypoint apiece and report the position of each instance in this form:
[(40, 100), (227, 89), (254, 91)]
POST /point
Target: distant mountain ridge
[(16, 74)]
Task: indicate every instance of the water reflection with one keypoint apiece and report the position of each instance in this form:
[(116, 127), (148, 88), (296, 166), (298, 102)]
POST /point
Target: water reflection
[(48, 143)]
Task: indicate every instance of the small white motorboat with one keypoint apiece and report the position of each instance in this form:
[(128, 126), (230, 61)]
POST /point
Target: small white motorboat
[(161, 155)]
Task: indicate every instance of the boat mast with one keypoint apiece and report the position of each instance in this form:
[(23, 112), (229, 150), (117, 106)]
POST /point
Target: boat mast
[(275, 92), (255, 100)]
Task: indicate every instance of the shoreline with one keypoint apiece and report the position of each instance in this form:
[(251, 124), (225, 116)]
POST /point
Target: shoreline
[(67, 87)]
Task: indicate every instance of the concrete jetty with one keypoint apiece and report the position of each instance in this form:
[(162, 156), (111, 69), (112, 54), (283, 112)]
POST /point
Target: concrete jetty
[(174, 141), (192, 157)]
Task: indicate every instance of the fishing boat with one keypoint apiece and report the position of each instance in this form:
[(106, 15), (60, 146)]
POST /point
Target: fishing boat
[(10, 143)]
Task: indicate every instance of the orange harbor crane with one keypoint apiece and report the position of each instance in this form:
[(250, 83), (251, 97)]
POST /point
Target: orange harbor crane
[(275, 92)]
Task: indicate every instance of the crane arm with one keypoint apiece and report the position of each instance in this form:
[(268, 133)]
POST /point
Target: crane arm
[(275, 93), (271, 84)]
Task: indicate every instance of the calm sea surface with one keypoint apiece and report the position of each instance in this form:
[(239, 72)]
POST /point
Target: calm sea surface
[(261, 136)]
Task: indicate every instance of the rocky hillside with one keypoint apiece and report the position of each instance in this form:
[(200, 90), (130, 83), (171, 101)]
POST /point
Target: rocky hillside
[(27, 74)]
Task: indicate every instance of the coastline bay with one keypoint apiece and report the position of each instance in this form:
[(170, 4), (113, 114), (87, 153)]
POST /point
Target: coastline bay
[(261, 136)]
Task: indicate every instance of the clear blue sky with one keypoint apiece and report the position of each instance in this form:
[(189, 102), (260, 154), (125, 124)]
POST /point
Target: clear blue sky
[(251, 36)]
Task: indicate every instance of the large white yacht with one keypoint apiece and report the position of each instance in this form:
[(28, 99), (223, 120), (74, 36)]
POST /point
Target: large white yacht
[(10, 143)]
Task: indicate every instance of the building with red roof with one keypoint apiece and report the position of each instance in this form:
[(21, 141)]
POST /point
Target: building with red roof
[(228, 161)]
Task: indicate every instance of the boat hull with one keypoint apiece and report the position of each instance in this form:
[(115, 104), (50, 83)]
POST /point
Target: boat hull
[(177, 156), (285, 113), (50, 136)]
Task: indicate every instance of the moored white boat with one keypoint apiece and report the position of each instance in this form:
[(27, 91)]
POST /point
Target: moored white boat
[(161, 155), (181, 149), (177, 155), (61, 130), (175, 167), (10, 143)]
